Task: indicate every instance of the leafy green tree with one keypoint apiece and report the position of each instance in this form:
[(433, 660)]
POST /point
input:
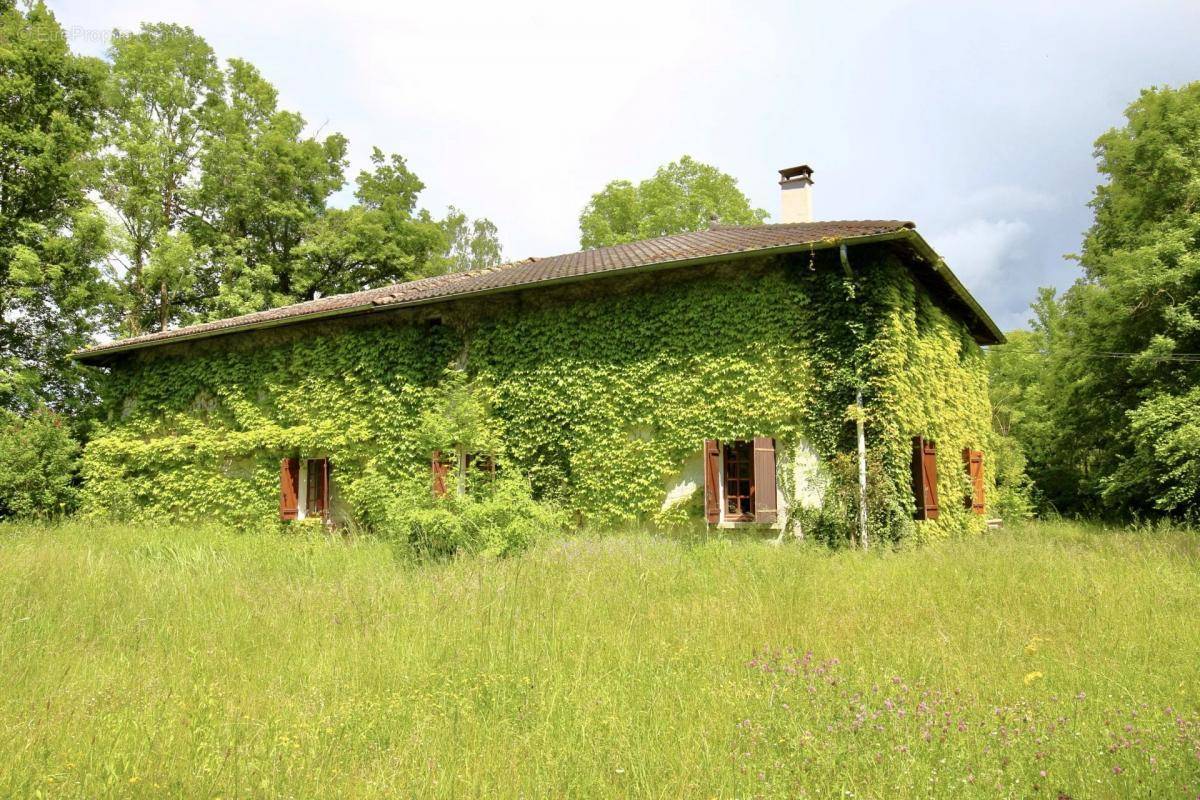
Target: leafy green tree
[(470, 244), (164, 97), (682, 196), (50, 235), (263, 185), (38, 464), (223, 198), (381, 239), (1134, 321), (1109, 419)]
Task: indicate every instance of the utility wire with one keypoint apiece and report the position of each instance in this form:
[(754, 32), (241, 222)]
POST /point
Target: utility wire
[(1182, 358)]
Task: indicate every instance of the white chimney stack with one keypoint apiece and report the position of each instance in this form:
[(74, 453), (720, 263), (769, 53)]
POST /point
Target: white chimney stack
[(796, 184)]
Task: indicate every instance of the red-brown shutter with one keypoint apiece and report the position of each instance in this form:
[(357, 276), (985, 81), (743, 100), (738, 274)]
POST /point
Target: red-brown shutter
[(289, 488), (924, 470), (439, 474), (325, 489), (973, 461), (712, 484), (766, 496)]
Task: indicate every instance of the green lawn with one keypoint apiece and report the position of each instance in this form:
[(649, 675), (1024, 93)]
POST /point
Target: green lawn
[(152, 662)]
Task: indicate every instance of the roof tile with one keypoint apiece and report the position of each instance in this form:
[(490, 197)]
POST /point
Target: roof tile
[(714, 242)]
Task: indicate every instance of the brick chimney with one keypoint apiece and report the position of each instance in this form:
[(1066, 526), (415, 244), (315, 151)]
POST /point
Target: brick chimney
[(796, 202)]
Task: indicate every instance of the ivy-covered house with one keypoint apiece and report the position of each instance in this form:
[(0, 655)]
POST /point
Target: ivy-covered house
[(719, 374)]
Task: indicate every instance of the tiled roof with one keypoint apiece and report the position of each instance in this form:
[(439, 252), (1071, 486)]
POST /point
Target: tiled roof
[(665, 250)]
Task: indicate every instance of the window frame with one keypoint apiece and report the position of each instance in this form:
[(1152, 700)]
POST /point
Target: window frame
[(303, 510), (746, 461)]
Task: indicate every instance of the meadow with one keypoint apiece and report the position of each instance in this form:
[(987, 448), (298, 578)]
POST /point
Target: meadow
[(1049, 660)]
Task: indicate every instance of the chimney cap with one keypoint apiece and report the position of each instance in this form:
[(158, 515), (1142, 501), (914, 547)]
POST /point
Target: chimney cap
[(803, 171)]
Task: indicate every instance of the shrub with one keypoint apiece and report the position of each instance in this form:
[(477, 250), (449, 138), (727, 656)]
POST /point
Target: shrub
[(836, 523), (38, 463), (496, 518), (1013, 499)]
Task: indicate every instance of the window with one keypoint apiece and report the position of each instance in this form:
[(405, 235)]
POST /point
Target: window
[(481, 463), (304, 489), (459, 471), (740, 482), (316, 495), (738, 460)]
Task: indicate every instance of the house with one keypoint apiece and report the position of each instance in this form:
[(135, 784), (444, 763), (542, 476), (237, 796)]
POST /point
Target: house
[(721, 373)]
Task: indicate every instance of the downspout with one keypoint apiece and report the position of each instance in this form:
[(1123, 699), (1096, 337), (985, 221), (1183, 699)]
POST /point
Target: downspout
[(860, 424)]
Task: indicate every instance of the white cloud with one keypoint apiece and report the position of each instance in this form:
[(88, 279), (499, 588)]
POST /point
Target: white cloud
[(979, 249)]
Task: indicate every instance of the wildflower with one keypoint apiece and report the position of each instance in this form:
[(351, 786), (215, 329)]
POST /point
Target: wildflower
[(1032, 678), (1117, 770)]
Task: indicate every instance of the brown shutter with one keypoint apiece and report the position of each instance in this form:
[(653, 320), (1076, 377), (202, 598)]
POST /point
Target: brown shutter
[(439, 474), (766, 509), (325, 489), (973, 461), (712, 485), (924, 469), (289, 488)]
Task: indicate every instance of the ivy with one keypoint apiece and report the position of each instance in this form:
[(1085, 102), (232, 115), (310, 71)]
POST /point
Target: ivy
[(599, 396)]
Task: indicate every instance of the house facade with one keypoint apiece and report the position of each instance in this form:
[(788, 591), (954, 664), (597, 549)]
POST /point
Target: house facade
[(718, 375)]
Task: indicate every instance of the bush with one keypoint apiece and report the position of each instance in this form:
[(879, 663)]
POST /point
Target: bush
[(1013, 499), (38, 463), (836, 522), (496, 518)]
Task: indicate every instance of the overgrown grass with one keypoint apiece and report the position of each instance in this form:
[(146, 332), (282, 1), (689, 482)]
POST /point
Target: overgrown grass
[(1048, 659)]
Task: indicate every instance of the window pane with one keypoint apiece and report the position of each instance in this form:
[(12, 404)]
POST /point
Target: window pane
[(739, 479)]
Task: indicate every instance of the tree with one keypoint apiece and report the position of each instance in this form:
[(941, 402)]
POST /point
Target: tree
[(223, 197), (163, 100), (263, 185), (381, 239), (50, 235), (1114, 425), (38, 464), (682, 196), (470, 244)]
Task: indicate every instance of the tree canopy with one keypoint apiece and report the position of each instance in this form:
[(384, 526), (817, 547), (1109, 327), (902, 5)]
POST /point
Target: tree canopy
[(51, 236), (163, 186), (681, 196), (1105, 391)]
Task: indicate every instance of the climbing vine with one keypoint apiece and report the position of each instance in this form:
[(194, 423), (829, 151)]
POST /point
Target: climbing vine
[(598, 396)]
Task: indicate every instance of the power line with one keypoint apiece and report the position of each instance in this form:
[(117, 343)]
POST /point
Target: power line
[(1185, 358)]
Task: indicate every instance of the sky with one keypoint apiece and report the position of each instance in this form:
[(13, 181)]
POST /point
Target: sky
[(976, 120)]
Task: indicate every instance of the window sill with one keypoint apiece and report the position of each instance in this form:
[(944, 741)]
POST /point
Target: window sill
[(748, 524)]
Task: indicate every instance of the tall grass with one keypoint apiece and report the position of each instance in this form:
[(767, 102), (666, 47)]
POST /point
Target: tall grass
[(1045, 660)]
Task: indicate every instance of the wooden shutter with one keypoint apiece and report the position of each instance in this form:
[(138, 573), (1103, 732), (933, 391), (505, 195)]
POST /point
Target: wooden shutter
[(766, 497), (289, 488), (325, 489), (924, 470), (712, 480), (973, 462), (440, 471)]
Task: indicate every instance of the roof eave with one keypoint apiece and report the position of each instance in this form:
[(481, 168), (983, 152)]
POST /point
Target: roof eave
[(100, 356)]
